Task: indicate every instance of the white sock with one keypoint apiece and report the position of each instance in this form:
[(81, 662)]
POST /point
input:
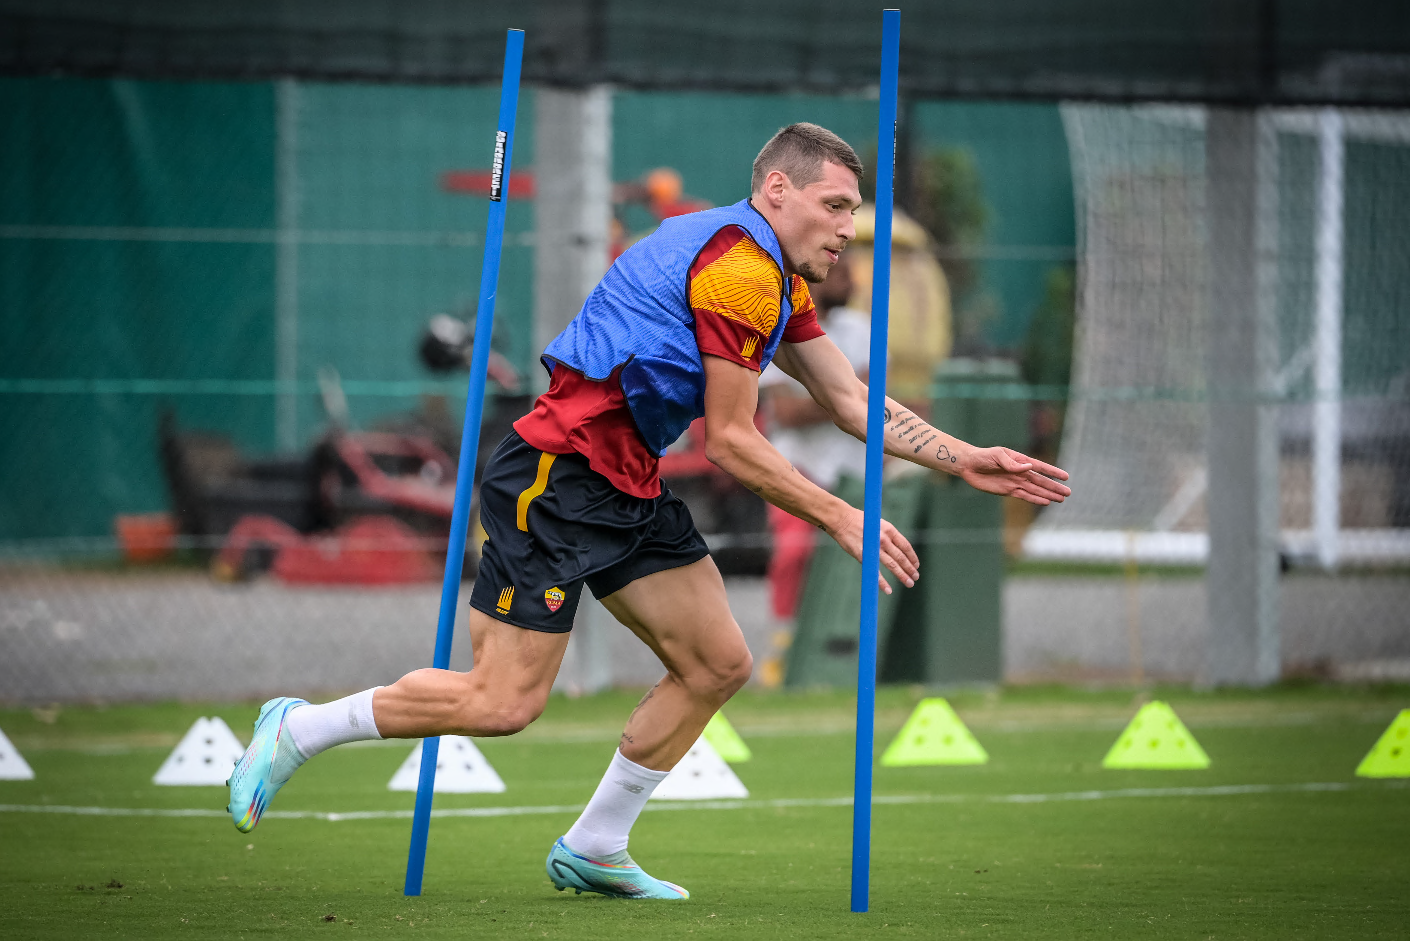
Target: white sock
[(318, 728), (607, 820)]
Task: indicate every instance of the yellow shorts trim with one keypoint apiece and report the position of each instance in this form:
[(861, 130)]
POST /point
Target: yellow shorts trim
[(539, 485)]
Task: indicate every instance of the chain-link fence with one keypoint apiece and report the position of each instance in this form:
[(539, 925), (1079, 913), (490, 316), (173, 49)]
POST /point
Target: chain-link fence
[(225, 465)]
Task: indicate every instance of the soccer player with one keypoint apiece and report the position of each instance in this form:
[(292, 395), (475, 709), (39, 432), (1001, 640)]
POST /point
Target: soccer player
[(681, 326)]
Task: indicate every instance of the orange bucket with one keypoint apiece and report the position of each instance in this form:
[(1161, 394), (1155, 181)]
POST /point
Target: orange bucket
[(145, 537)]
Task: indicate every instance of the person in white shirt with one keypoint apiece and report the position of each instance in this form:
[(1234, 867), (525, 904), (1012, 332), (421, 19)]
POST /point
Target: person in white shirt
[(803, 433)]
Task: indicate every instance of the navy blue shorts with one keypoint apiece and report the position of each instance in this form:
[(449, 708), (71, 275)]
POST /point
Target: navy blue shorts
[(555, 524)]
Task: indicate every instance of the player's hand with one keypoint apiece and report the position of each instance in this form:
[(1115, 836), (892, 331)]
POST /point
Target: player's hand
[(896, 552), (1011, 474)]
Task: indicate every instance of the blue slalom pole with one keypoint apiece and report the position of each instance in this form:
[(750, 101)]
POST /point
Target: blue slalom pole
[(470, 439), (876, 423)]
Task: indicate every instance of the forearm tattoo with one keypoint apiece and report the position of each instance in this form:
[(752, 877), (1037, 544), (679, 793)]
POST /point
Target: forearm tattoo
[(909, 429)]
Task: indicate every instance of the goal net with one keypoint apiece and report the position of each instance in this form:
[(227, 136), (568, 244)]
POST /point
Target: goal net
[(1333, 221)]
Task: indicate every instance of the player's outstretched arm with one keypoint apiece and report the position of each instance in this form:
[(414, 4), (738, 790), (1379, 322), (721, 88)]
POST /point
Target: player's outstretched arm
[(829, 378), (734, 445)]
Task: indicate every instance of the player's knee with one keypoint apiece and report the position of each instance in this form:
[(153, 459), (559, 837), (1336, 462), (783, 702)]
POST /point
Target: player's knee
[(528, 709), (506, 721), (501, 719), (741, 670), (723, 675), (486, 713)]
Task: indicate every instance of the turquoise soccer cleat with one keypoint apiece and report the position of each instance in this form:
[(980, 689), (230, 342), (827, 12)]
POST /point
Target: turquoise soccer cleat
[(266, 766), (616, 876)]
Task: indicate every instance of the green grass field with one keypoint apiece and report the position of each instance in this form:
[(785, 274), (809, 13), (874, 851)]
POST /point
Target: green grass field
[(1039, 843)]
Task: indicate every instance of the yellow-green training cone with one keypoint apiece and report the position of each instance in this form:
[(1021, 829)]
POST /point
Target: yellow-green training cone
[(934, 735), (1390, 756), (725, 740), (1156, 739)]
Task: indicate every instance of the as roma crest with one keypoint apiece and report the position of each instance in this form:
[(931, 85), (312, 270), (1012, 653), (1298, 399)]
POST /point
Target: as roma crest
[(554, 598)]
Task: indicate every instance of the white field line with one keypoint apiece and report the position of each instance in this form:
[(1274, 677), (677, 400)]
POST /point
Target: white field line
[(1226, 790), (611, 733), (978, 725)]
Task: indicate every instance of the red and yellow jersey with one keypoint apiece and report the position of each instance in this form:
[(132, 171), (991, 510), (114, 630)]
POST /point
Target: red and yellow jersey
[(736, 292)]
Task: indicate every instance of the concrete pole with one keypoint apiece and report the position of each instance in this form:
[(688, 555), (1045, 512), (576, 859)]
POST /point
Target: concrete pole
[(286, 263), (572, 236), (572, 204), (1242, 575), (1326, 410)]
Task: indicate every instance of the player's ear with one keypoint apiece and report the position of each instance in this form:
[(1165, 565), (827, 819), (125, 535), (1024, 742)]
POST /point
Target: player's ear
[(774, 185)]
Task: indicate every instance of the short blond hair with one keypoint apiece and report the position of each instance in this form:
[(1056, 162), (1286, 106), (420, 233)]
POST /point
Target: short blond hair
[(799, 152)]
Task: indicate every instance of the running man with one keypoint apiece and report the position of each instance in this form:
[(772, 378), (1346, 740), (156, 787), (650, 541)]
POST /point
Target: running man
[(681, 326)]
